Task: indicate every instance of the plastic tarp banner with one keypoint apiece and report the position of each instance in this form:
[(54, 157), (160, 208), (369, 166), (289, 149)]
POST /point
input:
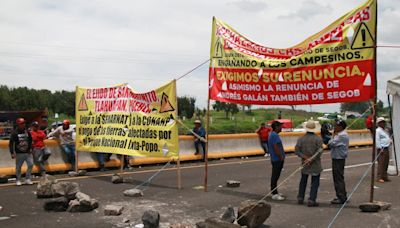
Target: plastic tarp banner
[(119, 120), (393, 89), (334, 65)]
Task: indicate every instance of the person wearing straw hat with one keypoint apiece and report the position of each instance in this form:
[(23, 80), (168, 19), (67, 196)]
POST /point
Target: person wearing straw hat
[(383, 142), (200, 131), (339, 145), (309, 149)]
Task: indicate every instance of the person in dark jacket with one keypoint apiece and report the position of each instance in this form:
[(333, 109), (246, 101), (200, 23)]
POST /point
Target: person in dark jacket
[(20, 146), (309, 149), (200, 131)]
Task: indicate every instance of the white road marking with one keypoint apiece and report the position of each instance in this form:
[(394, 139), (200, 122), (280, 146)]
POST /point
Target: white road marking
[(349, 166)]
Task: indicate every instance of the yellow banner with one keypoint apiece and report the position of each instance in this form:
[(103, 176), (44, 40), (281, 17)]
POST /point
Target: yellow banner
[(335, 65), (121, 121)]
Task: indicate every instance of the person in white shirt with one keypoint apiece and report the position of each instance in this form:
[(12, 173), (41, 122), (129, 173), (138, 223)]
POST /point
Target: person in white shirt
[(383, 142), (67, 143)]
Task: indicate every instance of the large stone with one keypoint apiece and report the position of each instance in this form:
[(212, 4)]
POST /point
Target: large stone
[(72, 174), (369, 207), (252, 213), (82, 172), (232, 184), (133, 192), (117, 179), (3, 179), (83, 198), (65, 188), (383, 205), (114, 210), (44, 189), (216, 223), (56, 204), (151, 219), (76, 206), (229, 215)]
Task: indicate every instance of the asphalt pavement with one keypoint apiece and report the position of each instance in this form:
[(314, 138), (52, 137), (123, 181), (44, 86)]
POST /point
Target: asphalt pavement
[(192, 204)]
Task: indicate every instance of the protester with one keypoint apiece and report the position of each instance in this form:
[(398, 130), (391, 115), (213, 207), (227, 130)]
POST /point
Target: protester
[(369, 124), (101, 159), (306, 147), (200, 131), (64, 133), (339, 145), (383, 142), (20, 145), (277, 153), (263, 134), (40, 152), (107, 157), (325, 133)]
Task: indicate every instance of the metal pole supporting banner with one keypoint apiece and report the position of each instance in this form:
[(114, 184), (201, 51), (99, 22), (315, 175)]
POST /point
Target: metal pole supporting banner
[(371, 196)]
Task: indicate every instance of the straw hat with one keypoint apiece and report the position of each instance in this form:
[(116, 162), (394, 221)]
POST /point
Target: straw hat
[(197, 122), (380, 119), (312, 126)]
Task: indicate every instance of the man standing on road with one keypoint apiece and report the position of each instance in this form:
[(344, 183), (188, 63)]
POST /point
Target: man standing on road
[(67, 142), (306, 147), (277, 153), (383, 142), (40, 152), (339, 145), (263, 134), (20, 145)]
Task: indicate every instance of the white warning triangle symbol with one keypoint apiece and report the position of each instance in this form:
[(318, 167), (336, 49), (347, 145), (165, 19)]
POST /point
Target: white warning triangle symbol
[(367, 80), (260, 72), (165, 149), (224, 86), (280, 78)]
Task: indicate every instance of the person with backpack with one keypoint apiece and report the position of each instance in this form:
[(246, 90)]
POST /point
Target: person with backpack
[(20, 146)]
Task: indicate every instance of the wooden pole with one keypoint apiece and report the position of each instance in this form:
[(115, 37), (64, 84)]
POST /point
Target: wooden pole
[(207, 144), (122, 162), (371, 196), (178, 162)]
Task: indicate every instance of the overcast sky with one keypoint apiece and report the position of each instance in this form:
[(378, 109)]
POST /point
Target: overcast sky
[(58, 45)]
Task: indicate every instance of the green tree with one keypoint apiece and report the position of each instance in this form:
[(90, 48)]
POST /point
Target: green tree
[(226, 107), (359, 107), (186, 106)]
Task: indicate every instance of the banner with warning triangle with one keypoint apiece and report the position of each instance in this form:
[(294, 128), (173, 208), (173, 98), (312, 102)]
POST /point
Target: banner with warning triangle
[(334, 65), (119, 120)]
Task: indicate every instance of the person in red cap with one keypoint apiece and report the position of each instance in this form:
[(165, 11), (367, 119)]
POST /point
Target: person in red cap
[(40, 152), (20, 145), (67, 142)]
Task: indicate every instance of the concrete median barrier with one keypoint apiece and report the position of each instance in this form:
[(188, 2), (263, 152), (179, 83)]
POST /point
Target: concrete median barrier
[(220, 146)]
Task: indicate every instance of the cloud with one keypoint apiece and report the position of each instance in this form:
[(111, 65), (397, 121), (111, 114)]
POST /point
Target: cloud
[(307, 10), (250, 6)]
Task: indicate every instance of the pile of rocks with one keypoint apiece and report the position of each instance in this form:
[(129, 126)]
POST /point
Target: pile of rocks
[(250, 214), (66, 196)]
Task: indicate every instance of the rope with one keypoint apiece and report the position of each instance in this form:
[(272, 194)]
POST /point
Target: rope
[(191, 131), (292, 174), (284, 181), (354, 189), (148, 181), (190, 71)]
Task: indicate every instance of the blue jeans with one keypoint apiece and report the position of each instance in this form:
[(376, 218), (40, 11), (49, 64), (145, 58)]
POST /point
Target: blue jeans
[(69, 150), (314, 187), (196, 145), (100, 159)]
